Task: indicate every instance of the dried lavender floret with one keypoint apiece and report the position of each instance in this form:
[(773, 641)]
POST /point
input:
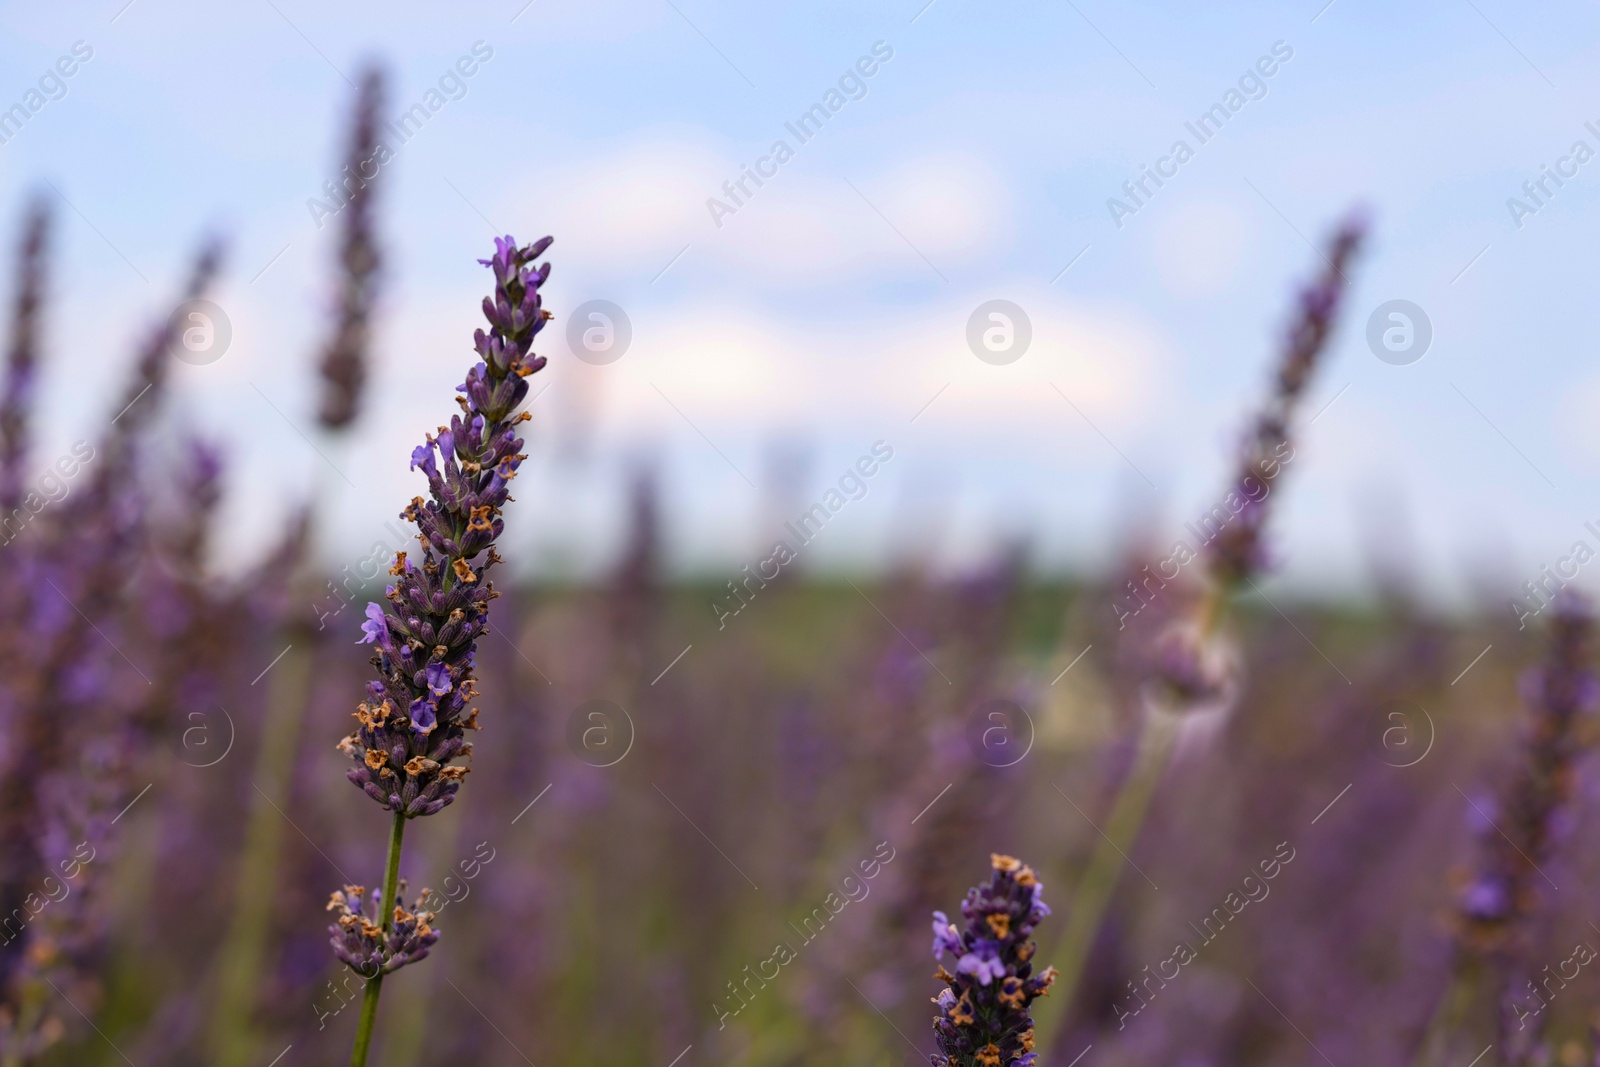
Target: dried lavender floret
[(360, 940)]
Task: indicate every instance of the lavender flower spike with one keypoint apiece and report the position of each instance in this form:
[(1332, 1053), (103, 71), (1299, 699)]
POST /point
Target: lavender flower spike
[(413, 725), (21, 356), (1192, 667), (1495, 909), (1237, 554), (983, 1018), (344, 361)]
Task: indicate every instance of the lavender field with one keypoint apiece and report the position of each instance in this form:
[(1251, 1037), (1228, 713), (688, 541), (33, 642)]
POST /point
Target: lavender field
[(847, 662)]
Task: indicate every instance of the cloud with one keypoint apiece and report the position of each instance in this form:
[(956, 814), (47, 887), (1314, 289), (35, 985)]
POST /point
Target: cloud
[(1108, 360), (631, 207), (802, 227)]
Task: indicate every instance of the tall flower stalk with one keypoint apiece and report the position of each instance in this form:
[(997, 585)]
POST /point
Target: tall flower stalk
[(1192, 666), (344, 362), (1497, 907), (22, 356), (984, 1018), (413, 724)]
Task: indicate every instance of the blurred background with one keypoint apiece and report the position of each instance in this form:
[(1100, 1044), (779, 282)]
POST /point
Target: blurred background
[(679, 763)]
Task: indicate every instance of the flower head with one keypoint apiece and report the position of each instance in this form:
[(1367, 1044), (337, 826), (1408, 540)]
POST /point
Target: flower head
[(360, 940), (438, 606), (344, 361), (1494, 908), (983, 1018), (1237, 551)]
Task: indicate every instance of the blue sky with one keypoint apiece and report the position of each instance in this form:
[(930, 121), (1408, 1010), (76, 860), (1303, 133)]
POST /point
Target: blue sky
[(826, 312)]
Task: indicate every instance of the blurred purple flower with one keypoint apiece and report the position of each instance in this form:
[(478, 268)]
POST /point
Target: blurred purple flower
[(945, 937)]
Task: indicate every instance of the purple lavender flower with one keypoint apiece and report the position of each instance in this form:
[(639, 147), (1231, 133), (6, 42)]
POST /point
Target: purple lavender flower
[(69, 745), (983, 962), (415, 718), (983, 1018), (1496, 907), (375, 628), (344, 362), (361, 939), (414, 722), (21, 356), (1192, 667), (945, 936), (1493, 908), (1237, 552)]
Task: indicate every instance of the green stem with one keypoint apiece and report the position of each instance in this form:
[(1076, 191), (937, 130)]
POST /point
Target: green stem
[(369, 999), (32, 1011), (409, 1001), (1100, 879), (233, 1028), (1451, 1009)]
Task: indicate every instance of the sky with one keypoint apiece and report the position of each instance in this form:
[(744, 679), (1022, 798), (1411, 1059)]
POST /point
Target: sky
[(777, 338)]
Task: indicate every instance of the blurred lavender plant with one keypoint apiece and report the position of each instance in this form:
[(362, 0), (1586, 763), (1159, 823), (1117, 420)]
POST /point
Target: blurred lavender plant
[(1496, 908), (344, 362), (1191, 668), (413, 724), (22, 356), (983, 1018), (67, 753), (178, 605)]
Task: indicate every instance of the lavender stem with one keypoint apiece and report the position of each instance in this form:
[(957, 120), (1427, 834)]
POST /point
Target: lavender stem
[(245, 948), (1191, 676), (369, 997), (1105, 865)]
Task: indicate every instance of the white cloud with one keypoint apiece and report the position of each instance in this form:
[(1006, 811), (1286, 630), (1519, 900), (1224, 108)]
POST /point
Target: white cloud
[(629, 209), (634, 205)]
